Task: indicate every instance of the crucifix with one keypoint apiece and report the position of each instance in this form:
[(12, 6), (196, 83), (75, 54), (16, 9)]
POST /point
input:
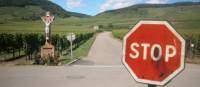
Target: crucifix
[(48, 19)]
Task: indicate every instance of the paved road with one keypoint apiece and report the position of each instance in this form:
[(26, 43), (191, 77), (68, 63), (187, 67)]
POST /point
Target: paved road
[(102, 68), (104, 51)]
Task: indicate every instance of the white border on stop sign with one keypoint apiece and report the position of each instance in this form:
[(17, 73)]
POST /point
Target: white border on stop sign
[(170, 77)]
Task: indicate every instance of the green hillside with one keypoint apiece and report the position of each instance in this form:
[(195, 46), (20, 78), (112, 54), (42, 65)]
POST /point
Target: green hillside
[(181, 15), (31, 10)]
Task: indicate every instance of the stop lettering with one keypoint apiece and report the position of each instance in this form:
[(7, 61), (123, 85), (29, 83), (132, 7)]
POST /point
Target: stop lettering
[(153, 47)]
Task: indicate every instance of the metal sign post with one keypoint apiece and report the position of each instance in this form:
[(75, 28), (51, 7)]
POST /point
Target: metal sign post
[(150, 85), (71, 44), (71, 37)]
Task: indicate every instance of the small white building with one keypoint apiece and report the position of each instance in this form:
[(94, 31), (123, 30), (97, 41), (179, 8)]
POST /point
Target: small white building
[(96, 27)]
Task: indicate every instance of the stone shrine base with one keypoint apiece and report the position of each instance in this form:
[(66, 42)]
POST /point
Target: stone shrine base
[(47, 51)]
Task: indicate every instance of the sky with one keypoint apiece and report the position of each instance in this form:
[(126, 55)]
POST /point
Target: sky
[(93, 7)]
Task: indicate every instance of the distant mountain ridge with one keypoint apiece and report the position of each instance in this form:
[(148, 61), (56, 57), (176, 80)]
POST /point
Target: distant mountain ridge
[(180, 14), (155, 6), (32, 9)]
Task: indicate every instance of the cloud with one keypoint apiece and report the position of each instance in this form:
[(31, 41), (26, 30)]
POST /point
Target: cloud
[(116, 4), (74, 3), (156, 1)]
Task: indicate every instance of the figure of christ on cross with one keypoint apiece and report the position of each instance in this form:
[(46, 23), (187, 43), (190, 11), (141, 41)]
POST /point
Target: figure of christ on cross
[(48, 19)]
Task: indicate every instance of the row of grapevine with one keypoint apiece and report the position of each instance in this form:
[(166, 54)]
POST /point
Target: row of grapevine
[(31, 43)]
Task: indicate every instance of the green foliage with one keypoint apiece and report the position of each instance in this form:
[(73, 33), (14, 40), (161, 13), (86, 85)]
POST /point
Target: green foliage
[(84, 48), (119, 33), (79, 52), (31, 44), (61, 44)]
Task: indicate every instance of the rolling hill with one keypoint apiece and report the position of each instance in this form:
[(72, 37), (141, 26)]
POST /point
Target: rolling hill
[(181, 14), (184, 16), (31, 10)]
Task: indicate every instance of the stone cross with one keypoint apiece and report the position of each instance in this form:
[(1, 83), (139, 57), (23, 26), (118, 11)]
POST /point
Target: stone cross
[(48, 19)]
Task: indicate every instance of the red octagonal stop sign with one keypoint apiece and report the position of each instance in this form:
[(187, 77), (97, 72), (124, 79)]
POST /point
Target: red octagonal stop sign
[(153, 52)]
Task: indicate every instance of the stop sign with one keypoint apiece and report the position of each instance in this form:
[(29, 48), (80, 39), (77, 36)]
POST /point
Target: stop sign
[(153, 52)]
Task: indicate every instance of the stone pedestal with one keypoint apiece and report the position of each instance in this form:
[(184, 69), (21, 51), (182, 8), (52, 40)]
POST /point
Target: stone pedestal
[(47, 51)]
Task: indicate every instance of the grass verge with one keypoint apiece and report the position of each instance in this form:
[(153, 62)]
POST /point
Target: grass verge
[(25, 62), (119, 33), (78, 53)]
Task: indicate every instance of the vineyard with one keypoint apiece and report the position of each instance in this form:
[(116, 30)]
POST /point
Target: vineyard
[(13, 46)]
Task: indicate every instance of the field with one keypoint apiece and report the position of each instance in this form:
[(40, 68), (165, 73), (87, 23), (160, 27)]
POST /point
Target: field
[(120, 21), (59, 27)]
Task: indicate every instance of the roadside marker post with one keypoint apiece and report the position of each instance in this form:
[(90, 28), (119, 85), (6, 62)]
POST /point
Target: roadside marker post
[(71, 37)]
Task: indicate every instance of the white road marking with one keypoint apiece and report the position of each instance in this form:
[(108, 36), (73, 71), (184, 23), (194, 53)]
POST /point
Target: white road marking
[(98, 66)]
